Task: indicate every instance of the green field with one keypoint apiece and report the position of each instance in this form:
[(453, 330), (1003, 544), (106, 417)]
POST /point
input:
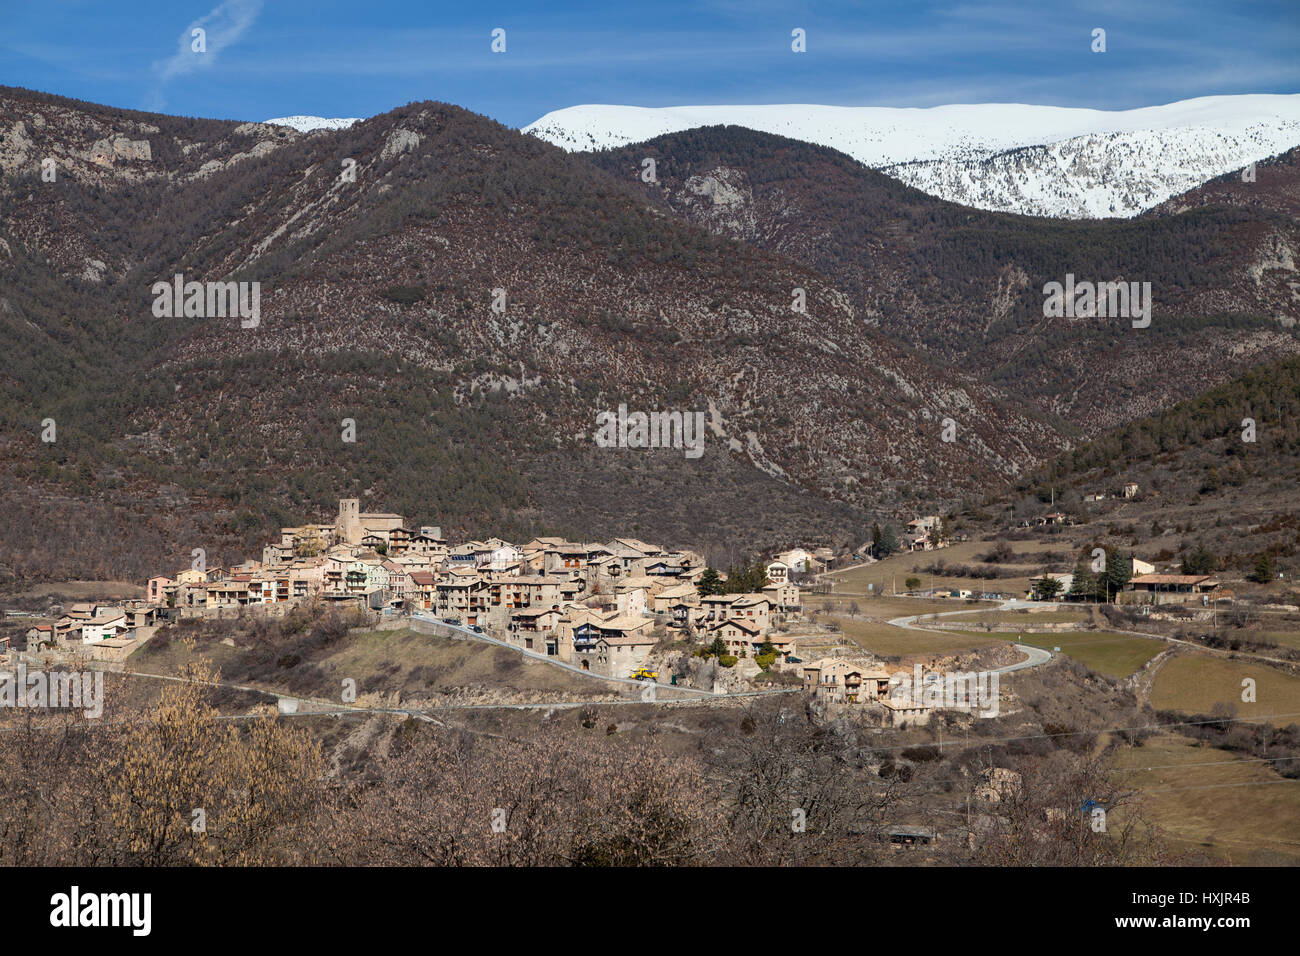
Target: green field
[(886, 640), (887, 607), (1026, 618), (1114, 655), (1194, 683)]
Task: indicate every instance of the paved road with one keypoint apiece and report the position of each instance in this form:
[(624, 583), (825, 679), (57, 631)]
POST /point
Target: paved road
[(909, 621), (1035, 655)]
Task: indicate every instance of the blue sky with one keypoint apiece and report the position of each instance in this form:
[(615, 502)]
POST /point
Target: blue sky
[(269, 58)]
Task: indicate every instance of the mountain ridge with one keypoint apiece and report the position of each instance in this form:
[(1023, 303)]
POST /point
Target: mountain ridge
[(377, 308), (964, 287), (1062, 162), (381, 248)]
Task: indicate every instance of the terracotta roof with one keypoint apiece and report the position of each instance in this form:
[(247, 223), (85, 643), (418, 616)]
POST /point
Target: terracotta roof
[(534, 612), (625, 622), (1171, 579)]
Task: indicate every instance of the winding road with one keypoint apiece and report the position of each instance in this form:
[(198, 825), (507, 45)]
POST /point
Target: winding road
[(1035, 655)]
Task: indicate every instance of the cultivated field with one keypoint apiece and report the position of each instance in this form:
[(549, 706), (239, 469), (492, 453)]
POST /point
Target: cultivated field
[(395, 664), (1027, 618), (1209, 801), (885, 640), (1194, 683), (79, 591), (1288, 638), (1114, 655)]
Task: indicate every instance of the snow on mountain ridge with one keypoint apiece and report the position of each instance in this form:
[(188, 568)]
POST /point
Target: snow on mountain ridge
[(1097, 176), (305, 124), (1038, 160)]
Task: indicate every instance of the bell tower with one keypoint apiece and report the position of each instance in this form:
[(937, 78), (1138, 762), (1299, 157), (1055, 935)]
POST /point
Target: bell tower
[(348, 525)]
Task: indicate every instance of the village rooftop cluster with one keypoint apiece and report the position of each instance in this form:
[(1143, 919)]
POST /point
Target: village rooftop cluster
[(602, 607), (598, 605)]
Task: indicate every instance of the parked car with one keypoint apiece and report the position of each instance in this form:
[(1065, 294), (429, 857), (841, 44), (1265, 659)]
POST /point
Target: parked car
[(476, 629), (451, 620)]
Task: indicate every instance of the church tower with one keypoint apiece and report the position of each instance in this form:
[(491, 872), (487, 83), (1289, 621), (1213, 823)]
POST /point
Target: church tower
[(348, 526)]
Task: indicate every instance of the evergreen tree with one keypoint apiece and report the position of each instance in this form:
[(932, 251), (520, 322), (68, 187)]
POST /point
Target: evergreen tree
[(1264, 570), (747, 577), (1084, 585), (710, 583), (1200, 561), (1119, 571), (1045, 587)]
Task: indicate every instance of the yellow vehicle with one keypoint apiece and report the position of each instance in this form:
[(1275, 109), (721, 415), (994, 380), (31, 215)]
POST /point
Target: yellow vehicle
[(645, 673)]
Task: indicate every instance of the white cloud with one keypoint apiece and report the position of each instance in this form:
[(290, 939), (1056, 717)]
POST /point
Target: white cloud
[(223, 26)]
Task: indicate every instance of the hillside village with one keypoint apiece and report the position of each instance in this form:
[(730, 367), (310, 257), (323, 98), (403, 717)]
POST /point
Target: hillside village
[(601, 606), (744, 486)]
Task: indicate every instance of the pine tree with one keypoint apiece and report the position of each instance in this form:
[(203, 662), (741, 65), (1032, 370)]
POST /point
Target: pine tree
[(1045, 587), (1084, 585), (1264, 570), (1200, 561), (1119, 571), (888, 541), (710, 583)]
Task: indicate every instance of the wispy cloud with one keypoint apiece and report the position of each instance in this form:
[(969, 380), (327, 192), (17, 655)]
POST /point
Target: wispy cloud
[(222, 27)]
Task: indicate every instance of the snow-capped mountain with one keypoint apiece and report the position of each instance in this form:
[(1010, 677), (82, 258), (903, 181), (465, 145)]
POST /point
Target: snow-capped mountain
[(305, 124), (1040, 160)]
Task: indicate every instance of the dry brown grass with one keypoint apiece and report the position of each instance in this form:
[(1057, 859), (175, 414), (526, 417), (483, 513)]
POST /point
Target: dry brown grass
[(1194, 683), (1208, 801)]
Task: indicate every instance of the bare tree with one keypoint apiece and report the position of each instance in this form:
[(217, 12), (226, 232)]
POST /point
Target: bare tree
[(798, 793)]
